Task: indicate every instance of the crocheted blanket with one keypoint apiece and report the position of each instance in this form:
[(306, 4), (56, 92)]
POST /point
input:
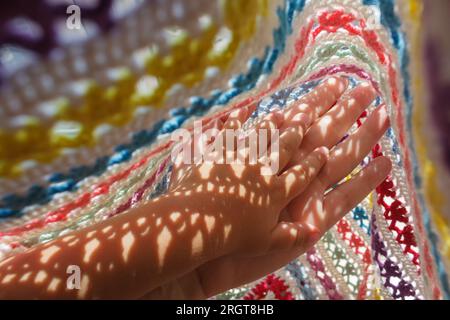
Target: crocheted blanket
[(87, 106)]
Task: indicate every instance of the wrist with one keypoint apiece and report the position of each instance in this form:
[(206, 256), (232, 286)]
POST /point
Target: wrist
[(201, 222)]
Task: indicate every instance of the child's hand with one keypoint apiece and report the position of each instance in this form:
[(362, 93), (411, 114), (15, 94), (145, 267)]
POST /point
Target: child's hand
[(324, 210), (245, 203), (312, 213)]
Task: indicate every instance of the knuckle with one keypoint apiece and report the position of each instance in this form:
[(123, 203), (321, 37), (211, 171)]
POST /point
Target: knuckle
[(301, 173)]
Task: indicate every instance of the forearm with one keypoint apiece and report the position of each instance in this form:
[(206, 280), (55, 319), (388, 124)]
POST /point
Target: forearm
[(124, 257)]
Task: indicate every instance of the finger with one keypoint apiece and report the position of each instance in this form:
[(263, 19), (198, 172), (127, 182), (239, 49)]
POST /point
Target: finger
[(347, 155), (345, 197), (267, 127), (296, 179), (331, 128), (271, 121), (292, 235), (286, 145), (231, 131), (236, 118), (319, 100)]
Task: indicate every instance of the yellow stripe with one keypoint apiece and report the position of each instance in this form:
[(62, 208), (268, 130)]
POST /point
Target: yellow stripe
[(116, 104)]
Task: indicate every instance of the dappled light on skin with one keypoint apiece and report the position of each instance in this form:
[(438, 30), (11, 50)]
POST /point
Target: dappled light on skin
[(90, 248), (310, 205), (163, 242), (205, 170), (84, 288), (24, 277), (71, 237), (41, 276), (127, 242), (48, 253), (8, 278), (324, 202), (324, 124), (96, 264), (54, 284), (197, 244)]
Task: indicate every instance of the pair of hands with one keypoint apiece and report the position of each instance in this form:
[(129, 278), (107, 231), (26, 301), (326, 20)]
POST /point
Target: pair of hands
[(270, 220)]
